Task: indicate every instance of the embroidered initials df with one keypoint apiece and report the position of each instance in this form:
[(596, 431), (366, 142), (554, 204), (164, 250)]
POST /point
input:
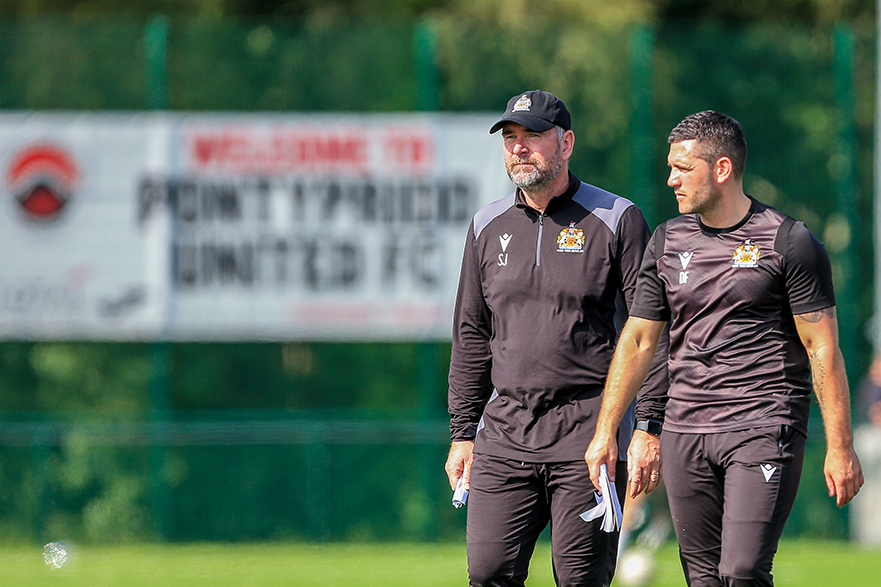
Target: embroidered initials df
[(684, 258)]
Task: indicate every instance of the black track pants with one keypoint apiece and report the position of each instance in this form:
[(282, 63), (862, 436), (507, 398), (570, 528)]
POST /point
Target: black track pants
[(509, 506), (730, 495)]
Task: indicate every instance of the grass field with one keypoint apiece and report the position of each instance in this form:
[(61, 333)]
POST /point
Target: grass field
[(800, 563)]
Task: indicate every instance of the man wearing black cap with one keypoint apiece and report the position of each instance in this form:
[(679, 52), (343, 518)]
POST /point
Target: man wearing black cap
[(548, 273)]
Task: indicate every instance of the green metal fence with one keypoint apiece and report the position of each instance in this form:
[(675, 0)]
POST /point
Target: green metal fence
[(347, 441)]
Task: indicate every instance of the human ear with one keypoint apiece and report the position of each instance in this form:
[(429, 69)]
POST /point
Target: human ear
[(724, 170), (568, 144)]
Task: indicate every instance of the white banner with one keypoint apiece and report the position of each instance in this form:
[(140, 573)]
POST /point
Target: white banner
[(160, 226)]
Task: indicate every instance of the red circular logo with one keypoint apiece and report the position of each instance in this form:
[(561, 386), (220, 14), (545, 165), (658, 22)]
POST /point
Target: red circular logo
[(43, 178)]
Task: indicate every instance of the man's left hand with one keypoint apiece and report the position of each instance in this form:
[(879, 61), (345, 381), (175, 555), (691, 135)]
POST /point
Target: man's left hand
[(644, 467), (844, 475)]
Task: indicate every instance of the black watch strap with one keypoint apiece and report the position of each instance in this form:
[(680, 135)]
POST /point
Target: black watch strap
[(650, 426)]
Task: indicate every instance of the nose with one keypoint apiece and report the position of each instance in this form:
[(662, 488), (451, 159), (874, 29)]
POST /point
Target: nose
[(673, 179)]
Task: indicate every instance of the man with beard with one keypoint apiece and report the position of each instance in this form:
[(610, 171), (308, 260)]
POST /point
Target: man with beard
[(748, 291), (547, 275)]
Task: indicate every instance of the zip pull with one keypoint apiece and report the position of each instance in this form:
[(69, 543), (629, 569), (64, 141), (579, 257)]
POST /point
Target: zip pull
[(541, 226)]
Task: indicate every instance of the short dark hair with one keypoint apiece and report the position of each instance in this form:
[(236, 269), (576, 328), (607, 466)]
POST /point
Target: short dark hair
[(717, 135)]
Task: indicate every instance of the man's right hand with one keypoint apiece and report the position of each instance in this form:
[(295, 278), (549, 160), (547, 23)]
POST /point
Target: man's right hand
[(601, 451), (459, 463)]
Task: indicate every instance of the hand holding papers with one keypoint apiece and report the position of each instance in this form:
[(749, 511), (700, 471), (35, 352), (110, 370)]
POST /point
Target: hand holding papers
[(607, 504), (460, 496)]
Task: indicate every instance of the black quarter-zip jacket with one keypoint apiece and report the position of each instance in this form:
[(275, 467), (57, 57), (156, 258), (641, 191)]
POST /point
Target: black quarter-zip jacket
[(541, 300)]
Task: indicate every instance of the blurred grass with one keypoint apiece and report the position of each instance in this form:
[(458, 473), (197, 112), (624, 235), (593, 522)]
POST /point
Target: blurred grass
[(799, 563)]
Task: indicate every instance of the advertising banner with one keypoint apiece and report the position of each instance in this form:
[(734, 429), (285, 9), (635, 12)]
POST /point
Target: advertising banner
[(164, 226)]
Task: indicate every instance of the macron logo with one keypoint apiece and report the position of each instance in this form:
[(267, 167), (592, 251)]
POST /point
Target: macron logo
[(684, 258), (504, 239), (768, 471)]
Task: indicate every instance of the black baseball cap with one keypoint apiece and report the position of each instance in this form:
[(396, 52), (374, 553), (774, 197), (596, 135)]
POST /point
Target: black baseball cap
[(536, 110)]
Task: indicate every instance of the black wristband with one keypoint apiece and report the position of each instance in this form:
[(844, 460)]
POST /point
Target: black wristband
[(651, 426)]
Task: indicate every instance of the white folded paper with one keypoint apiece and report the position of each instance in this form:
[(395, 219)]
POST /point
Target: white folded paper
[(607, 505), (460, 496)]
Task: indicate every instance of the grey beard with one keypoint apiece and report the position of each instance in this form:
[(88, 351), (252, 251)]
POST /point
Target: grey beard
[(537, 178)]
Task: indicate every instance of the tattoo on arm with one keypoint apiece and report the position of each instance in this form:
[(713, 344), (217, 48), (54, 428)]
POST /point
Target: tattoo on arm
[(818, 375), (818, 366), (816, 316)]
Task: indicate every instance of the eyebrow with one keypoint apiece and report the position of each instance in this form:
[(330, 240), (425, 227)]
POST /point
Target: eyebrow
[(526, 130)]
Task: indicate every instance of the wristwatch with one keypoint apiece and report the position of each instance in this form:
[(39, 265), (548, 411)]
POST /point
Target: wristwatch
[(650, 426)]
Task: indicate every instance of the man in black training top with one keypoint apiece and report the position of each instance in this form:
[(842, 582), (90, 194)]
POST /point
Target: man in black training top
[(749, 292), (544, 273)]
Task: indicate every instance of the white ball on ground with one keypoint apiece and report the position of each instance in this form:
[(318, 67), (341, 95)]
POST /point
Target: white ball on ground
[(636, 568), (56, 554)]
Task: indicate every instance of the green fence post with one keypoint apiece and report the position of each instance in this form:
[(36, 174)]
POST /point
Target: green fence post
[(160, 406), (422, 508), (642, 40), (847, 219), (156, 58), (156, 68), (425, 53)]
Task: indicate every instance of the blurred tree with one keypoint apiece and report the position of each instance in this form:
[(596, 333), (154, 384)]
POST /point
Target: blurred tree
[(578, 50), (103, 380), (804, 11), (320, 9), (818, 11)]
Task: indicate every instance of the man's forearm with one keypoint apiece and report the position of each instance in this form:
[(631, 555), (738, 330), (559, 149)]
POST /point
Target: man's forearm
[(818, 332), (629, 368), (833, 396), (651, 399)]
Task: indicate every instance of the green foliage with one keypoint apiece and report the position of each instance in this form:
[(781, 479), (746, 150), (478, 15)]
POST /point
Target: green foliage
[(45, 64), (802, 11), (103, 380), (305, 376), (490, 50), (820, 11), (309, 432), (256, 65), (787, 106)]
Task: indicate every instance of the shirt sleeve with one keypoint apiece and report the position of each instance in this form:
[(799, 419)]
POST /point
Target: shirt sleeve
[(651, 298), (470, 382), (633, 236), (807, 271), (652, 397)]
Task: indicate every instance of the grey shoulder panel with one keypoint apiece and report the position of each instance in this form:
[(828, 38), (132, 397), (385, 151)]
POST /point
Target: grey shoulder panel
[(606, 206), (490, 212)]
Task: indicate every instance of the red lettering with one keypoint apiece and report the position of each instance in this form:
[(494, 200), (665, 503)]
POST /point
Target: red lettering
[(278, 152), (256, 150), (410, 151)]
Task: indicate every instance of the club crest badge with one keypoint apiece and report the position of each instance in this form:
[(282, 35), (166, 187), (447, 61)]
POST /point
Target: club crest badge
[(44, 179), (523, 104), (571, 240), (746, 255)]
